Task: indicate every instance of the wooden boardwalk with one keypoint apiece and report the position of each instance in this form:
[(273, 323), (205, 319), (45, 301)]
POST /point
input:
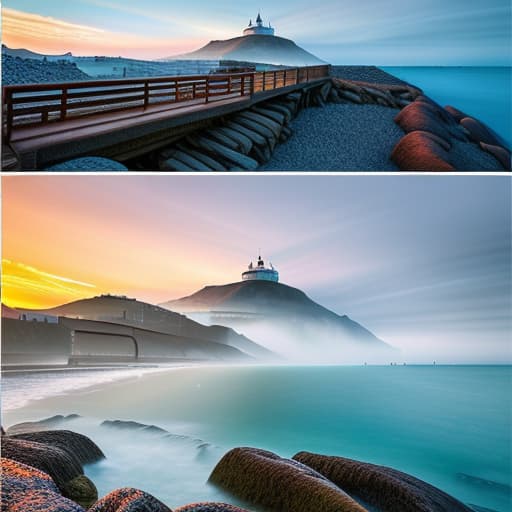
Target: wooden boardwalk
[(49, 122)]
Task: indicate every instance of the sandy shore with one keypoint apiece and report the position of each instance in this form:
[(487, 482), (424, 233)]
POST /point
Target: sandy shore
[(339, 138)]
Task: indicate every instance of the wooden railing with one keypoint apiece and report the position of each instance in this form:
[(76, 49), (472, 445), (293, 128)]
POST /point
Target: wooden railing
[(37, 104)]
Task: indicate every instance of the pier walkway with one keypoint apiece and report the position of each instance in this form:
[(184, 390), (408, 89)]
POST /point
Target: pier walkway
[(44, 123)]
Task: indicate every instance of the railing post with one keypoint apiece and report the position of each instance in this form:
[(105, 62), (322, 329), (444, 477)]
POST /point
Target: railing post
[(229, 84), (307, 74), (242, 86), (207, 93), (264, 80), (297, 76), (10, 114), (275, 79), (253, 79), (64, 104), (284, 78), (146, 94)]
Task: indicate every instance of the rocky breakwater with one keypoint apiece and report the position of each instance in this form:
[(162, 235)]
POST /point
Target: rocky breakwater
[(245, 141), (316, 483), (42, 472), (446, 139)]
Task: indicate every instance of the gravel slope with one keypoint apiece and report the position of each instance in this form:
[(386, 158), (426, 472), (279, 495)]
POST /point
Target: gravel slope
[(339, 138)]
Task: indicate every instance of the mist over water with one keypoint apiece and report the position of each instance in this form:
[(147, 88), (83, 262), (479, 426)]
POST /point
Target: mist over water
[(447, 425)]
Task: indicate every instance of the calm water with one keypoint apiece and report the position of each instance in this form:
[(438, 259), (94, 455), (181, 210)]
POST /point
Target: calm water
[(438, 423), (481, 92)]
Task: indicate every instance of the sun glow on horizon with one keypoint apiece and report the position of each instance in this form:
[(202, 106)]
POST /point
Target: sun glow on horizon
[(49, 35), (28, 287)]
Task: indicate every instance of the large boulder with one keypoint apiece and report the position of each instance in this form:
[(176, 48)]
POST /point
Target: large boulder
[(282, 485), (457, 114), (77, 445), (500, 153), (418, 116), (27, 489), (58, 463), (210, 507), (385, 488), (479, 132), (128, 499), (422, 151)]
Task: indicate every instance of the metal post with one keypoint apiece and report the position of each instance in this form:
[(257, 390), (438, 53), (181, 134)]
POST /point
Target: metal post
[(264, 79), (64, 103), (207, 94), (146, 94), (10, 114)]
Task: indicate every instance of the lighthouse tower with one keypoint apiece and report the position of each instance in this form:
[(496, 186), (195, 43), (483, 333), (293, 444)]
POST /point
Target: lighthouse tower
[(258, 29), (260, 272)]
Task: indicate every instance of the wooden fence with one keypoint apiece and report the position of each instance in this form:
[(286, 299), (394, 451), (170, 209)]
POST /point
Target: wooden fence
[(38, 104)]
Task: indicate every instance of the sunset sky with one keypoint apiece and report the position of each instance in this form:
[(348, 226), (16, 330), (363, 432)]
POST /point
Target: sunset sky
[(411, 258), (397, 32)]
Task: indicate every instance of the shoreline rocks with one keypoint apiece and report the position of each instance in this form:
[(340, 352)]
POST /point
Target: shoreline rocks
[(283, 485), (44, 481)]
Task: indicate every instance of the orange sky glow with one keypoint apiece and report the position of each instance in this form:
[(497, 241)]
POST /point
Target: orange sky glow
[(44, 34)]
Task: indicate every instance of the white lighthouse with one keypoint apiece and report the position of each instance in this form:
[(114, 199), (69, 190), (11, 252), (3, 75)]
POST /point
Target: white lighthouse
[(260, 272), (259, 29)]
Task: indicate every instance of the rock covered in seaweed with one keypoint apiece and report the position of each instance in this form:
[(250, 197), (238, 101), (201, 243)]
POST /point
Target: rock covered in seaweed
[(282, 485), (128, 499), (81, 490), (385, 488)]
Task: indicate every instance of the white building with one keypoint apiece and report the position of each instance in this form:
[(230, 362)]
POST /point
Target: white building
[(260, 272), (258, 29)]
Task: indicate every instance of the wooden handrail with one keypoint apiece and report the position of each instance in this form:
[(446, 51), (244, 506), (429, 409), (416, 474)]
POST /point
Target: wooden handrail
[(27, 105)]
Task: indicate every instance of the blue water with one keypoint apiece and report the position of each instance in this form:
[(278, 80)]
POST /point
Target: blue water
[(481, 92), (438, 423)]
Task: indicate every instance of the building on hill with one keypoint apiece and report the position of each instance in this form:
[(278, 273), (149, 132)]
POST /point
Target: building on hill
[(260, 272), (258, 29)]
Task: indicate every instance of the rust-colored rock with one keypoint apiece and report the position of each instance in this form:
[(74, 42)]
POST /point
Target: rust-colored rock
[(478, 132), (421, 151), (129, 500), (282, 485), (385, 488), (500, 153), (59, 464), (457, 114), (419, 116), (27, 489)]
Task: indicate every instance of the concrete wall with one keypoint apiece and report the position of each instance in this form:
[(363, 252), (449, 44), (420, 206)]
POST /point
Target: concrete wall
[(34, 343)]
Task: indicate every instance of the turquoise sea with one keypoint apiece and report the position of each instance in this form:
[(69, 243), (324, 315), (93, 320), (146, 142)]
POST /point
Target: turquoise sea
[(482, 92), (448, 425)]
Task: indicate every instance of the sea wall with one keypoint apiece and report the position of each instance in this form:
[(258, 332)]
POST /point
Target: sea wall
[(34, 343)]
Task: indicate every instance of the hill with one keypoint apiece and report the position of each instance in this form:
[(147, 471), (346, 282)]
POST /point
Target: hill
[(285, 320), (255, 48), (131, 312)]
